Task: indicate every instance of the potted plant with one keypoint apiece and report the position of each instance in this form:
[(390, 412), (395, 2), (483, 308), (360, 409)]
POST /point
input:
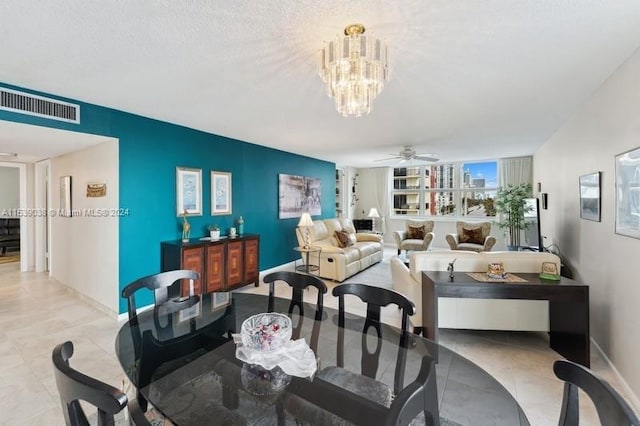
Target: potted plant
[(510, 203), (214, 232)]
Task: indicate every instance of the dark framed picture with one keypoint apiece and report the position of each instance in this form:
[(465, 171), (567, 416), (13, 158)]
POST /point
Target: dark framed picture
[(590, 196), (628, 193)]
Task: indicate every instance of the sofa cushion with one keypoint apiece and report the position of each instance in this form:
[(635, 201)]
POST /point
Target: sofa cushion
[(319, 231), (352, 254), (471, 235), (344, 239), (367, 248), (347, 225)]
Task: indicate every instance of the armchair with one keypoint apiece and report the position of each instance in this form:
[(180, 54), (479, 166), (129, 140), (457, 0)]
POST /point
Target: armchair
[(417, 235), (472, 236)]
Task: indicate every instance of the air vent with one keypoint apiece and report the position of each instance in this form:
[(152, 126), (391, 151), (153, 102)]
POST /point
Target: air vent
[(26, 103)]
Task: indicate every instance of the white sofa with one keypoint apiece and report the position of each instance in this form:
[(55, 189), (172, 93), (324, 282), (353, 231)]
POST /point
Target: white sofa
[(338, 263), (477, 314)]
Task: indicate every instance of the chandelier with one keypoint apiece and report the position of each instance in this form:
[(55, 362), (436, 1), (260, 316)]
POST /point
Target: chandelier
[(354, 69)]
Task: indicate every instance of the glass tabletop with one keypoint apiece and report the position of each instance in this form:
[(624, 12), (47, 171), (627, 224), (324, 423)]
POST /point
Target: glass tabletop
[(184, 364)]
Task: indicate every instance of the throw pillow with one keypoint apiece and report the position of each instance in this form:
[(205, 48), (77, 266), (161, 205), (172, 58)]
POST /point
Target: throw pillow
[(472, 235), (415, 232), (343, 239)]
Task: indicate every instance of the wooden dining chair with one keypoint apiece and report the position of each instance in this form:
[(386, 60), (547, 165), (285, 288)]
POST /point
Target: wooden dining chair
[(159, 284), (74, 386), (611, 407), (298, 283), (404, 403), (163, 306)]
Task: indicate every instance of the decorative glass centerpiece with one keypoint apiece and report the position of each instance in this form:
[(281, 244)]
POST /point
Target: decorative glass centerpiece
[(263, 383), (266, 332)]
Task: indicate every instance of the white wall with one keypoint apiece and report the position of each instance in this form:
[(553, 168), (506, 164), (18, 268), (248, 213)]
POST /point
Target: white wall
[(606, 125), (10, 184), (84, 249)]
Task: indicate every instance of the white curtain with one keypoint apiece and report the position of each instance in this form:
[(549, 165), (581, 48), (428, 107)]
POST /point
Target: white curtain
[(515, 170), (383, 178)]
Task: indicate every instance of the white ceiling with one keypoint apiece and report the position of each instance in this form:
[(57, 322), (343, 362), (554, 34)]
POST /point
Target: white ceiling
[(470, 79)]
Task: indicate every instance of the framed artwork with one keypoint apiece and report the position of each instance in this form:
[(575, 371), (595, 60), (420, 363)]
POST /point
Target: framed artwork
[(297, 195), (590, 196), (220, 300), (189, 313), (188, 191), (628, 193), (220, 193), (65, 196)]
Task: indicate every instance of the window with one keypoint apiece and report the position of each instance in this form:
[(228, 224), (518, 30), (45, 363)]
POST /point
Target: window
[(453, 189)]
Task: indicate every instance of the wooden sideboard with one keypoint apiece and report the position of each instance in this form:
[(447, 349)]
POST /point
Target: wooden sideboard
[(223, 265)]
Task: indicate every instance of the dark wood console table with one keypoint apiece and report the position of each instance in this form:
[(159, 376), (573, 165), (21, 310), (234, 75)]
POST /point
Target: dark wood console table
[(568, 306)]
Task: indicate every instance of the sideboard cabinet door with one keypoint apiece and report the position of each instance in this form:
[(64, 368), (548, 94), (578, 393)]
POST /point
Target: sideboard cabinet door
[(215, 268), (235, 263), (251, 261), (192, 259)]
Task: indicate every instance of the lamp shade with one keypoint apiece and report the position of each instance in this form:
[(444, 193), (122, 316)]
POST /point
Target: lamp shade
[(373, 212), (305, 220)]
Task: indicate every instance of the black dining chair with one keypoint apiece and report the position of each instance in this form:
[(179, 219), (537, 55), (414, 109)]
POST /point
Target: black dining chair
[(159, 284), (403, 403), (611, 407), (298, 283), (74, 386), (163, 306)]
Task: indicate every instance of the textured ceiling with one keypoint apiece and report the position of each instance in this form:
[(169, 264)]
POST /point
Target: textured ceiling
[(470, 79)]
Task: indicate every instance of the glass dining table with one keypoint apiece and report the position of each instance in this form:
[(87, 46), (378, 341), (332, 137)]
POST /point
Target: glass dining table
[(184, 364)]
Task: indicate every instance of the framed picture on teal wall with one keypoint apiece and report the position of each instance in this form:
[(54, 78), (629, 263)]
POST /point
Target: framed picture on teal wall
[(220, 193), (188, 191)]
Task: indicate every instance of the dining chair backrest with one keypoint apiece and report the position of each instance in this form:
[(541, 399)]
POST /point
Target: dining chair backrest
[(611, 407), (298, 283), (375, 298), (74, 386), (159, 284)]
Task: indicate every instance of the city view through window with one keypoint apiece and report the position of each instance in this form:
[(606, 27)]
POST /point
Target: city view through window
[(453, 189)]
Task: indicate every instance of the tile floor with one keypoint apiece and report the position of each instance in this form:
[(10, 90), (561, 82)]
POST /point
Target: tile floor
[(37, 313)]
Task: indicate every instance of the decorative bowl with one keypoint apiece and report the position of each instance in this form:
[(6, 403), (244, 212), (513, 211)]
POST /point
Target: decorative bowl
[(266, 332), (267, 384)]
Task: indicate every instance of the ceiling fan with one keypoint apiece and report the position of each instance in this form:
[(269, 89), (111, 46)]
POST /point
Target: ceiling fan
[(408, 153)]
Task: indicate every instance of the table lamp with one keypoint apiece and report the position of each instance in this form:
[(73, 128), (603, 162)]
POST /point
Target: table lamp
[(373, 214), (305, 223)]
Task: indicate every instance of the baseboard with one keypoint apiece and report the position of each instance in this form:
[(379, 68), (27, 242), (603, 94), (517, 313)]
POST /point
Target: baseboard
[(125, 316), (630, 396), (290, 266), (94, 303)]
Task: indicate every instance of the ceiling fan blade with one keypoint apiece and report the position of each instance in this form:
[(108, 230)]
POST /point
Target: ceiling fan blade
[(388, 159), (421, 158)]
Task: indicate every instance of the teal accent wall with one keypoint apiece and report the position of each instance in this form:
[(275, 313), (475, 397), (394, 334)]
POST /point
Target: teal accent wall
[(149, 152)]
